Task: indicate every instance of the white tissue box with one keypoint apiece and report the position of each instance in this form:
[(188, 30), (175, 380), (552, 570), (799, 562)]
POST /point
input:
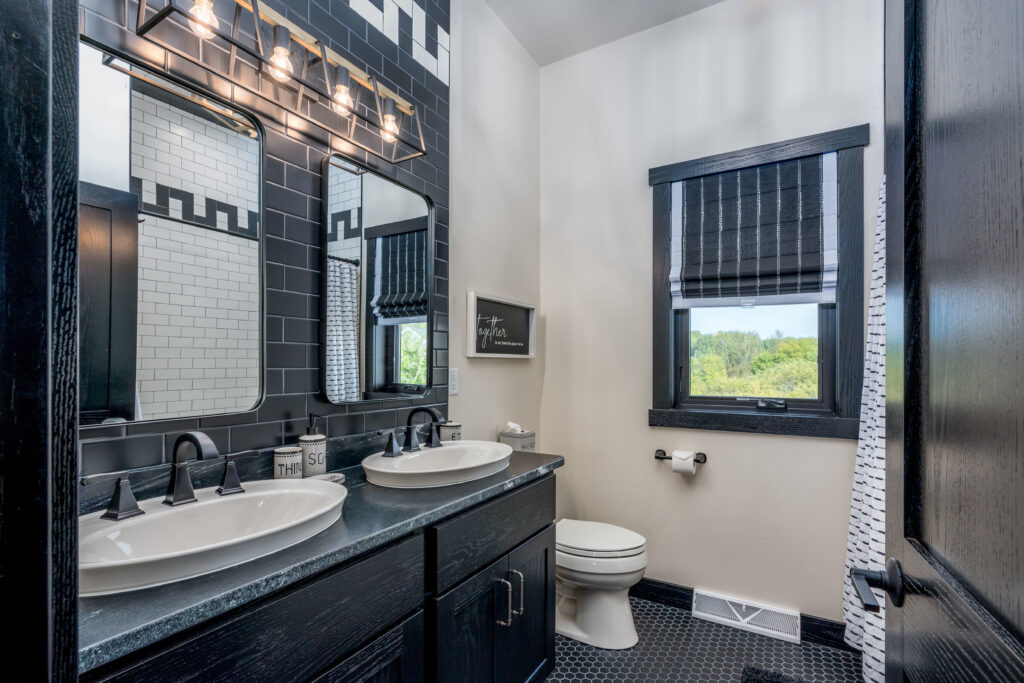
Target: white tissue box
[(519, 441)]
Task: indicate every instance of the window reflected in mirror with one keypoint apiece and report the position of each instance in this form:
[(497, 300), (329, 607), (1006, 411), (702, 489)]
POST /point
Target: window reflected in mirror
[(169, 248), (377, 286)]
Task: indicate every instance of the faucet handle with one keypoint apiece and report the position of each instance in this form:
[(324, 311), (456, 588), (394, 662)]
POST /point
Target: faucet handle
[(434, 435), (412, 440), (392, 448), (122, 504), (230, 483)]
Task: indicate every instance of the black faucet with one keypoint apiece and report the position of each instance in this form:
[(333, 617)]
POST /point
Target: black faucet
[(412, 441), (179, 489), (434, 435)]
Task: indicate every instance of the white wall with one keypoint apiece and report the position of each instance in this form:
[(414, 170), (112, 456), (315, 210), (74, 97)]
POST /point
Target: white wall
[(103, 120), (385, 202), (766, 518), (495, 216)]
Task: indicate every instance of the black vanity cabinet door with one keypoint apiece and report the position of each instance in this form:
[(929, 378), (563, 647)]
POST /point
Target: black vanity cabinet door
[(499, 625), (470, 623), (395, 657), (530, 651)]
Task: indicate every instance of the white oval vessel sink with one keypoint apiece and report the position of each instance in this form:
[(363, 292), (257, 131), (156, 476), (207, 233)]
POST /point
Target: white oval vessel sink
[(170, 544), (453, 463)]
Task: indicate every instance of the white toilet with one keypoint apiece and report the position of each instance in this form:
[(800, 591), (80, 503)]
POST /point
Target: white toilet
[(595, 565)]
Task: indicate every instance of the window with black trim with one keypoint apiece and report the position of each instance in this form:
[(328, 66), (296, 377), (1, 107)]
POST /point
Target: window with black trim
[(758, 299)]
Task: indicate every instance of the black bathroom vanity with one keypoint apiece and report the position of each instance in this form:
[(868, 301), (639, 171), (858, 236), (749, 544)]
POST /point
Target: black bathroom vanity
[(449, 584)]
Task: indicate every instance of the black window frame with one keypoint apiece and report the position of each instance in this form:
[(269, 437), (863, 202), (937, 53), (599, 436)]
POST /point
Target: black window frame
[(840, 326)]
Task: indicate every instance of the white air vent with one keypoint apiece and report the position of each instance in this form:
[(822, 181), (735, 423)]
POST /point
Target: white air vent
[(749, 616)]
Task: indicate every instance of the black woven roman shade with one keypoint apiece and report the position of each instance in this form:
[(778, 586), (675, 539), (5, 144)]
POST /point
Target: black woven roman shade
[(400, 280), (759, 235)]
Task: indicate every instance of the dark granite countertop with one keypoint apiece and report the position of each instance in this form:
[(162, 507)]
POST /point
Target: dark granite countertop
[(115, 625)]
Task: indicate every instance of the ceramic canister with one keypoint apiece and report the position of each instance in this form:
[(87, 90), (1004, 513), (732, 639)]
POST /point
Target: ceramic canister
[(314, 454), (288, 462), (450, 431)]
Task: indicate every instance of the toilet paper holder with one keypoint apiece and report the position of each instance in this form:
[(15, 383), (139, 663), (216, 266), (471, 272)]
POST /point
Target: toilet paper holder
[(698, 457)]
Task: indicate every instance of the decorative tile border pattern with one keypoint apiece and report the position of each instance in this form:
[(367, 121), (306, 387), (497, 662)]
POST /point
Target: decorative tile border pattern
[(186, 209)]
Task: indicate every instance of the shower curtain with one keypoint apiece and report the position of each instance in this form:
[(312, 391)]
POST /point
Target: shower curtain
[(865, 544), (342, 330)]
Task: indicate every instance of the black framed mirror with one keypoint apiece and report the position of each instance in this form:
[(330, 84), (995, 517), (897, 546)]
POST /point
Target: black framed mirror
[(170, 255), (376, 286)]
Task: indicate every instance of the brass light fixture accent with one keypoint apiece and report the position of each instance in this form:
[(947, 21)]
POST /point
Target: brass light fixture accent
[(393, 132)]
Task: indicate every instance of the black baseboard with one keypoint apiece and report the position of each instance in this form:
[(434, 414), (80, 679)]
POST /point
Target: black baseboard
[(824, 632), (812, 629), (663, 593)]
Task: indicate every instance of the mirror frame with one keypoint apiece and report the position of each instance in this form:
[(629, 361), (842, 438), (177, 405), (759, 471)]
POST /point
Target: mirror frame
[(100, 430), (347, 164)]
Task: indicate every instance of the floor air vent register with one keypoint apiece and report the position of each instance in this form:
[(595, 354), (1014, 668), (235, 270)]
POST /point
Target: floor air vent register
[(748, 616)]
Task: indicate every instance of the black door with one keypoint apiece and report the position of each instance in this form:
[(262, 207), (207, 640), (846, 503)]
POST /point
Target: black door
[(108, 239), (470, 622), (530, 651), (955, 411)]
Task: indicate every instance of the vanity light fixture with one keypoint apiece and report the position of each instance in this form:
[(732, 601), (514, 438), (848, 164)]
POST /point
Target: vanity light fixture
[(341, 99), (332, 82), (282, 68), (203, 21)]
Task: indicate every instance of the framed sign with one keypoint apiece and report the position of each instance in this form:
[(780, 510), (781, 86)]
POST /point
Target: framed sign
[(498, 328)]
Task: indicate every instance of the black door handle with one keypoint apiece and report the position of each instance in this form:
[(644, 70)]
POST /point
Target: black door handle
[(890, 580)]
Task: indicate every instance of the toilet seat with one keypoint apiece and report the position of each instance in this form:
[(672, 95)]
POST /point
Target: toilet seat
[(601, 565), (597, 540)]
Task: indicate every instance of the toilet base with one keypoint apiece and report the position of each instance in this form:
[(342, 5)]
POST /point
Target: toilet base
[(598, 617)]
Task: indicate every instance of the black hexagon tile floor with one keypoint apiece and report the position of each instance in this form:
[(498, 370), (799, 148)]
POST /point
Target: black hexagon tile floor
[(674, 646)]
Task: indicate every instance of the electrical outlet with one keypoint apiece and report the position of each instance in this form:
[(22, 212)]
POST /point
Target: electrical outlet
[(453, 381)]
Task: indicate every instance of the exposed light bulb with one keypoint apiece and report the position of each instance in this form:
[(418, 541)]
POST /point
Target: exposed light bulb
[(203, 21), (282, 69), (343, 102), (390, 130)]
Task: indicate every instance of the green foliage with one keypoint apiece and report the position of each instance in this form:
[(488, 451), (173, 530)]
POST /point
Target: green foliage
[(413, 356), (742, 364)]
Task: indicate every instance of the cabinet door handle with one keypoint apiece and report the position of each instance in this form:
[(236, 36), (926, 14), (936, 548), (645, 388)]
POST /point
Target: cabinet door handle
[(508, 619), (522, 593)]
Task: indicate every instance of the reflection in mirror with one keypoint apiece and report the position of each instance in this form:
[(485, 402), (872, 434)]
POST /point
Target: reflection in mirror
[(169, 251), (377, 298)]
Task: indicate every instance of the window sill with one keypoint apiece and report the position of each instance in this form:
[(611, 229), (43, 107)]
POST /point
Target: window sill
[(791, 424)]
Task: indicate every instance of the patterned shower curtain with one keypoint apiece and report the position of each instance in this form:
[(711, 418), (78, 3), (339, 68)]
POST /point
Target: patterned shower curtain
[(342, 330), (865, 544)]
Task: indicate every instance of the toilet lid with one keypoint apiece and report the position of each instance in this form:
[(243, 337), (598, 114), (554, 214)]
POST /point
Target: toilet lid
[(596, 539)]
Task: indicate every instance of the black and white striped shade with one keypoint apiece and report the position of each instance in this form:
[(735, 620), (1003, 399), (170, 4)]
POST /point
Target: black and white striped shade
[(760, 235), (400, 283)]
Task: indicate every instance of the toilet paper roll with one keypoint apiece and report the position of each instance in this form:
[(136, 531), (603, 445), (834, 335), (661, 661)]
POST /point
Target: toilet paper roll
[(683, 462)]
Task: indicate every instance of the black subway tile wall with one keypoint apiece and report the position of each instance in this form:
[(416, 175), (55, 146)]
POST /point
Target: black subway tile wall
[(416, 67)]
